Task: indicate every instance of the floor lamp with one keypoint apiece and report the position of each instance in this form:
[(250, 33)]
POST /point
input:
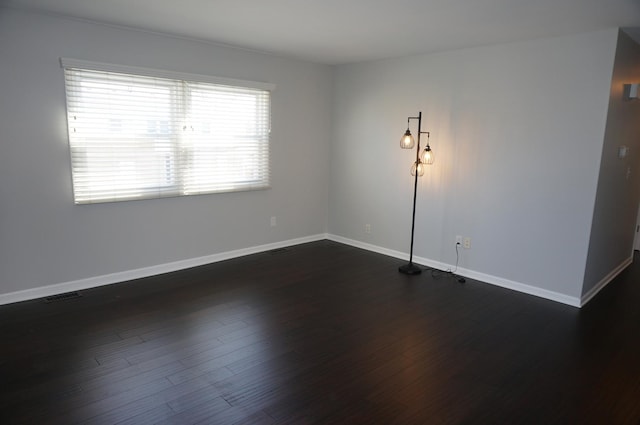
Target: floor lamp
[(417, 170)]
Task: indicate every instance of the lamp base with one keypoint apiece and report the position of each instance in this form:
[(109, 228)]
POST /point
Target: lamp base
[(410, 269)]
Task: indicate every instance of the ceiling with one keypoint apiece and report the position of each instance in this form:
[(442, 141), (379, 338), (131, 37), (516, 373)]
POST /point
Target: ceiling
[(344, 31)]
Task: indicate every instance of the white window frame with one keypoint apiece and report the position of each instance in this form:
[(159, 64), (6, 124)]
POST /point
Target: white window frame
[(190, 154)]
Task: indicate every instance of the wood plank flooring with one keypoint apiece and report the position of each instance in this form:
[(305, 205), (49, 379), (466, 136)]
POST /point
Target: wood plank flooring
[(320, 333)]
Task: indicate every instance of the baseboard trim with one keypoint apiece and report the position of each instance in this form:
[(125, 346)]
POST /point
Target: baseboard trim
[(521, 287), (93, 282), (483, 277), (389, 252), (605, 281), (108, 279)]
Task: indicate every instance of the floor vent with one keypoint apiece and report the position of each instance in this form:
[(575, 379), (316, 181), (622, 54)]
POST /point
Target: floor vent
[(278, 250), (62, 297)]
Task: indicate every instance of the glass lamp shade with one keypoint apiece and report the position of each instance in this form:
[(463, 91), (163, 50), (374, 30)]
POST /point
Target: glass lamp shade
[(419, 167), (427, 156), (407, 141)]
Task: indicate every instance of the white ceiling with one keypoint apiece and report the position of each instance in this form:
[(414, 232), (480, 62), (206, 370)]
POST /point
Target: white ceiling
[(342, 31)]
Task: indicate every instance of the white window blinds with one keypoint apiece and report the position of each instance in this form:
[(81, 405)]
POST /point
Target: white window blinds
[(138, 136)]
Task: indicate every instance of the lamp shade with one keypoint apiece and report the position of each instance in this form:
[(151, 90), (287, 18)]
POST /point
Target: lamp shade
[(419, 167), (407, 141), (427, 156)]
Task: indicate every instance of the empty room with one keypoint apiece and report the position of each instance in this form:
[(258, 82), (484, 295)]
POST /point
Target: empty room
[(306, 212)]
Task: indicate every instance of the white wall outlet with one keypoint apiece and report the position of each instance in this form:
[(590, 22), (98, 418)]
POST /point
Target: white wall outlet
[(466, 243), (458, 240), (367, 228), (273, 222)]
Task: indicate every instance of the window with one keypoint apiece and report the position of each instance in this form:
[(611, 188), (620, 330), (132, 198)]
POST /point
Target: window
[(137, 133)]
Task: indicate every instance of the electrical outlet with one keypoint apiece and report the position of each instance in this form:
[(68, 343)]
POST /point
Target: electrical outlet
[(367, 228), (273, 222), (466, 243), (458, 240)]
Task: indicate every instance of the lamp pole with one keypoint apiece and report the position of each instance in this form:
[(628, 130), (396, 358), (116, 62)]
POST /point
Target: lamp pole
[(417, 170)]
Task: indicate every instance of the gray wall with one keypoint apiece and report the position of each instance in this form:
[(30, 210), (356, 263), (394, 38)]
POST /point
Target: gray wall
[(517, 130), (45, 239), (614, 218)]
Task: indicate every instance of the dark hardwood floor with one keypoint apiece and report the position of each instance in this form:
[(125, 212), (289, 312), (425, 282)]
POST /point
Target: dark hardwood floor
[(320, 333)]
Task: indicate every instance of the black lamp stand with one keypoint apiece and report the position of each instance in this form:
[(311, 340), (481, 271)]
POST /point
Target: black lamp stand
[(410, 268)]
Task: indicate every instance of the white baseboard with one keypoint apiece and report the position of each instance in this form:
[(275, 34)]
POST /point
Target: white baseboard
[(605, 281), (93, 282), (521, 287), (493, 280), (385, 251)]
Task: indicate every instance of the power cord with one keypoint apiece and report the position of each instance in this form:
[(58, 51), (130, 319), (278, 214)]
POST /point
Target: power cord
[(457, 258), (435, 273)]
